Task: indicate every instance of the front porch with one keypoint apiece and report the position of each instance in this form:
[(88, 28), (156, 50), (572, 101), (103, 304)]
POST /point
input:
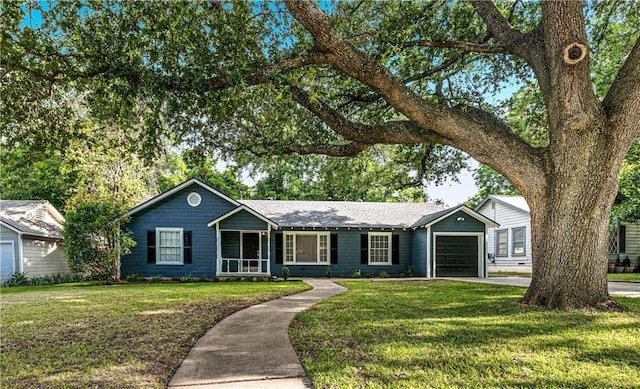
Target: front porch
[(244, 253)]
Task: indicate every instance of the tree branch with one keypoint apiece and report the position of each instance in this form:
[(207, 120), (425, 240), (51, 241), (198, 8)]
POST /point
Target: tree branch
[(335, 150), (622, 103), (478, 133), (464, 46)]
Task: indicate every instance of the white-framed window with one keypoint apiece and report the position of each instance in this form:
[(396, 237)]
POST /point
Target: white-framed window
[(194, 199), (308, 248), (379, 248), (502, 245), (169, 248), (518, 238)]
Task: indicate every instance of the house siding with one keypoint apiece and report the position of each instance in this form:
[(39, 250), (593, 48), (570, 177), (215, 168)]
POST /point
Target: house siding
[(419, 252), (43, 258), (7, 235), (243, 220), (349, 256), (174, 211), (509, 218), (632, 245)]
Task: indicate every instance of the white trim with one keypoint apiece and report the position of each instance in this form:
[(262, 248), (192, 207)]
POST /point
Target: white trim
[(428, 264), (481, 256), (177, 189), (20, 254), (196, 197), (169, 229), (269, 249), (468, 211), (9, 226), (218, 249), (238, 209), (390, 253), (13, 253), (306, 233)]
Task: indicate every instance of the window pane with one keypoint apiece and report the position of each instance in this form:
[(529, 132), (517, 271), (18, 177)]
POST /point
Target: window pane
[(379, 252), (518, 241), (323, 248), (501, 243), (169, 246), (288, 248), (306, 248)]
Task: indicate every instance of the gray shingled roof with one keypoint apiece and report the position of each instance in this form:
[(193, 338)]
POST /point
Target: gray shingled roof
[(333, 214), (22, 216)]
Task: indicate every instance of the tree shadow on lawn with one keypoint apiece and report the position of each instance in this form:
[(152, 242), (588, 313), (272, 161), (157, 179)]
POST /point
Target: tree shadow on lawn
[(452, 326)]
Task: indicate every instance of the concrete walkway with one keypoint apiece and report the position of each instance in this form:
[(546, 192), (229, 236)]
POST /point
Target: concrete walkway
[(628, 289), (251, 348)]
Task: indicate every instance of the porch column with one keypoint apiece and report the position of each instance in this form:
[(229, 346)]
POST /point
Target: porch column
[(269, 249), (218, 249)]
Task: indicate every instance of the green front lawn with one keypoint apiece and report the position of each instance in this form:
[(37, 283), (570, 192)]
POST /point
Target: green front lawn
[(132, 335), (441, 334), (610, 276)]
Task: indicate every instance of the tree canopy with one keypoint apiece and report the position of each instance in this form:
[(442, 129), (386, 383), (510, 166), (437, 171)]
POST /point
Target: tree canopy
[(257, 79)]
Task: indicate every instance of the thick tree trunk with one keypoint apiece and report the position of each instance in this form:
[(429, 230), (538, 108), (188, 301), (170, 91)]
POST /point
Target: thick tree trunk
[(569, 225)]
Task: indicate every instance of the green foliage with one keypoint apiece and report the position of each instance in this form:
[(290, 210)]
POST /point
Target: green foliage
[(409, 270), (187, 278), (328, 271), (383, 274), (94, 239), (356, 274), (629, 186), (284, 271), (157, 278), (132, 277), (490, 182), (21, 279), (17, 279)]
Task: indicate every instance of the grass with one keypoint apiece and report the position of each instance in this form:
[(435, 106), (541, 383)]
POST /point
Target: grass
[(441, 334), (623, 276), (132, 335), (610, 276)]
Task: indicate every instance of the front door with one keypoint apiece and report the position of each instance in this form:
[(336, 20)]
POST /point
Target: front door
[(250, 252)]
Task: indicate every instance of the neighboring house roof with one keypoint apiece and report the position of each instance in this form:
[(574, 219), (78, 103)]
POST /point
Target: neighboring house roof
[(516, 202), (176, 189), (333, 214), (27, 217)]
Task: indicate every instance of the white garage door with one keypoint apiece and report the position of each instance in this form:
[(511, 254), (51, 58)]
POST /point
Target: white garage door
[(7, 260)]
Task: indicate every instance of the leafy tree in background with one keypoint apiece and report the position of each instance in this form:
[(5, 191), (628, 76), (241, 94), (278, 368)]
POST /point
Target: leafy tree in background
[(94, 239), (271, 78)]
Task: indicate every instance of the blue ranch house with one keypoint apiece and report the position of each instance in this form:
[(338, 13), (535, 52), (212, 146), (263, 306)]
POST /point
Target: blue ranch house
[(195, 230)]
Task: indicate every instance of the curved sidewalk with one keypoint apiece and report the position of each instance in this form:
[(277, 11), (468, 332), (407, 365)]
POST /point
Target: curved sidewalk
[(251, 348)]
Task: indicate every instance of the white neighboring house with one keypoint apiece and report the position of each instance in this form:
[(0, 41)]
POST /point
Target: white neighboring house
[(508, 246), (30, 237), (506, 242)]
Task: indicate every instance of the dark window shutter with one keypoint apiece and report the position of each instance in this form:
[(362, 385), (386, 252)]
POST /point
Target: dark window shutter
[(334, 249), (622, 239), (186, 247), (364, 249), (278, 248), (395, 250), (151, 246)]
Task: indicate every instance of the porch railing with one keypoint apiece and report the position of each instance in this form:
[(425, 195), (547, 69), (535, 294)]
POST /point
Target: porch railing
[(244, 266)]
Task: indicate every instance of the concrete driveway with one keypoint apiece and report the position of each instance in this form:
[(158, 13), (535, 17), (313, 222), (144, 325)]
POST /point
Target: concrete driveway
[(616, 288)]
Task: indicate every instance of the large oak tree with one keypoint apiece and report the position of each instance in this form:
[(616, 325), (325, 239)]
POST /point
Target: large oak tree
[(338, 78)]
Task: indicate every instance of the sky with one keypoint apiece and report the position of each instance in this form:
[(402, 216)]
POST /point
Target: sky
[(453, 193)]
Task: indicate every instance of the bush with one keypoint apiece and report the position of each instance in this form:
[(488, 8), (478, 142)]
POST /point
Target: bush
[(157, 278), (187, 278), (94, 240), (17, 279), (409, 270), (328, 272), (133, 277), (285, 272), (383, 274), (356, 274)]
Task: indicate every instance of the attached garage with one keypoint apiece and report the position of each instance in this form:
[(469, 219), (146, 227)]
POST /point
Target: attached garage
[(458, 255)]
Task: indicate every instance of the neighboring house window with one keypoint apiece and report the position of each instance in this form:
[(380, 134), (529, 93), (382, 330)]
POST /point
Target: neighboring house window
[(501, 243), (618, 240), (306, 248), (169, 248), (379, 248), (518, 237)]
